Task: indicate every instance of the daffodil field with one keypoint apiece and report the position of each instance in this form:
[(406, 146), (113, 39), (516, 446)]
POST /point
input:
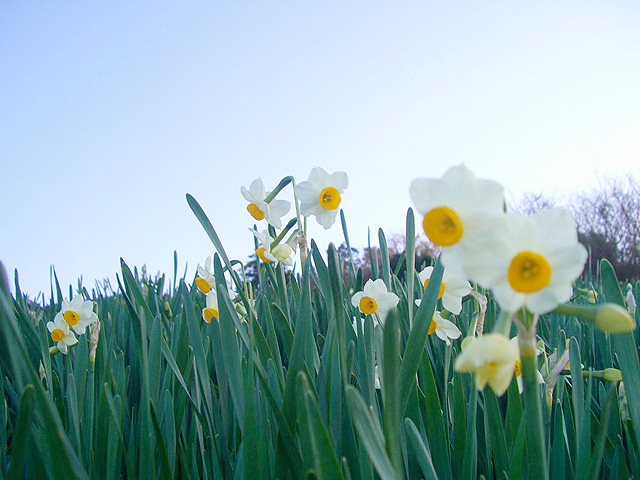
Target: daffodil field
[(502, 358)]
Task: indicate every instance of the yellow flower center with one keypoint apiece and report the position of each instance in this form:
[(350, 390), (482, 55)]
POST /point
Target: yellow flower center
[(529, 272), (432, 327), (442, 225), (487, 370), (203, 285), (210, 313), (518, 370), (71, 317), (255, 212), (260, 253), (57, 335), (329, 198), (440, 292), (368, 305)]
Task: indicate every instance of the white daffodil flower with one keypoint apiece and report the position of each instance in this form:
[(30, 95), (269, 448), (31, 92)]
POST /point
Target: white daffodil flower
[(211, 310), (321, 195), (518, 365), (61, 334), (529, 261), (375, 299), (492, 358), (452, 288), (456, 209), (280, 253), (77, 313), (260, 209), (206, 281), (443, 328)]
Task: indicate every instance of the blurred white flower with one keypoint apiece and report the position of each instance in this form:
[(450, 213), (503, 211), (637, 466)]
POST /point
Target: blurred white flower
[(492, 358), (456, 209), (452, 288), (321, 195), (260, 209)]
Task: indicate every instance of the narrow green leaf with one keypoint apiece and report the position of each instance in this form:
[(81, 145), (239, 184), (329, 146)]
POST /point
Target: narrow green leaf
[(370, 434), (390, 382), (420, 449), (418, 336), (325, 460)]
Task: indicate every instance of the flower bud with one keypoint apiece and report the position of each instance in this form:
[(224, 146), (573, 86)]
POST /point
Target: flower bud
[(612, 375), (613, 318), (631, 300)]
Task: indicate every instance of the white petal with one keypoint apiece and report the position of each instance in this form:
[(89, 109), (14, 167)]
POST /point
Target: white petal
[(453, 303), (319, 178), (327, 218), (307, 193), (256, 189), (340, 181), (247, 196)]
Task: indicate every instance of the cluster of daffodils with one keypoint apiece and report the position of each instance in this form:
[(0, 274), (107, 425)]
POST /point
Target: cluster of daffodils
[(319, 196), (75, 316), (529, 263), (206, 283)]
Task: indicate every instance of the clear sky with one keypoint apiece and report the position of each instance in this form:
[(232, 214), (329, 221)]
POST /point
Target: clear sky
[(110, 112)]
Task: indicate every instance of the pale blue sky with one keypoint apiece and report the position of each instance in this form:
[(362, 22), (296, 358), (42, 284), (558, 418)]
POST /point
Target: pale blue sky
[(111, 112)]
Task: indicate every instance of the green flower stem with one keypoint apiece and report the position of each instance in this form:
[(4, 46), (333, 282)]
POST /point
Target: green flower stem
[(302, 240), (283, 183), (284, 231), (503, 325), (532, 405)]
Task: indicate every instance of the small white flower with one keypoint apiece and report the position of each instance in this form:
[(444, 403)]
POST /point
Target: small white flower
[(260, 209), (280, 253), (518, 367), (206, 281), (443, 328), (77, 313), (529, 261), (211, 310), (375, 299), (61, 334), (452, 288), (456, 209), (321, 195)]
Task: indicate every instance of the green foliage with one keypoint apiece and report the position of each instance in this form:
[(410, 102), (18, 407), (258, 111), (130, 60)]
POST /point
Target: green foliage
[(289, 389)]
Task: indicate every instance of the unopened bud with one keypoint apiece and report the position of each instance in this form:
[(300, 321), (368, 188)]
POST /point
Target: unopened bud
[(631, 300), (466, 341), (612, 318), (592, 296), (612, 375)]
